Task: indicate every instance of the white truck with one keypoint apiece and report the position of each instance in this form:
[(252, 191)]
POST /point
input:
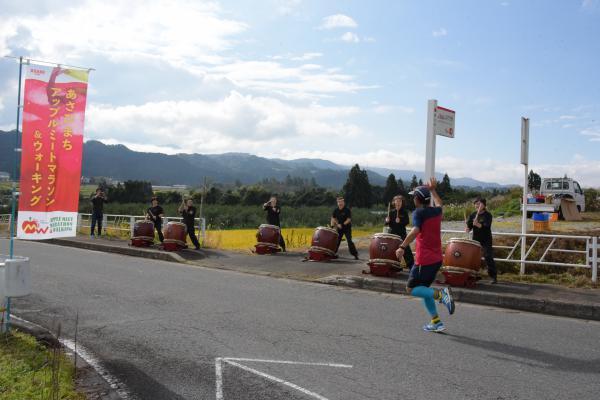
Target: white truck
[(558, 189)]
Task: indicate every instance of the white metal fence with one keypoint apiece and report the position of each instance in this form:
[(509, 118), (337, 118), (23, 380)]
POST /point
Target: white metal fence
[(588, 257), (121, 223), (555, 243)]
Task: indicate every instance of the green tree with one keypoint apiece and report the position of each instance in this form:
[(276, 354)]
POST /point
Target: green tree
[(414, 183), (391, 189), (444, 187), (357, 189), (401, 188), (534, 181)]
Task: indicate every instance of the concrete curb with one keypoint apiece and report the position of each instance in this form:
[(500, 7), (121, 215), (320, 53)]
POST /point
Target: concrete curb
[(512, 301), (127, 251)]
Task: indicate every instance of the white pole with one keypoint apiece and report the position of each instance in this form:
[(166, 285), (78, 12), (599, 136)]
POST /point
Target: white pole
[(430, 147), (595, 259), (525, 162), (524, 222)]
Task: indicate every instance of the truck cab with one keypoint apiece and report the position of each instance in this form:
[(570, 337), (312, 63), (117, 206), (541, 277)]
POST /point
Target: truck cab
[(560, 188)]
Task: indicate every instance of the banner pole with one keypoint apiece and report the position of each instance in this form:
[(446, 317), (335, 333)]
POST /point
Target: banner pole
[(13, 211), (15, 164)]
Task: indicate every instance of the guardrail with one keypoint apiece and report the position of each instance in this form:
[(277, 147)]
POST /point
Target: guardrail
[(589, 256)]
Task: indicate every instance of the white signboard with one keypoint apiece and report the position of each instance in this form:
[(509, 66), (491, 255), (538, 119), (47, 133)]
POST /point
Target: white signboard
[(443, 122)]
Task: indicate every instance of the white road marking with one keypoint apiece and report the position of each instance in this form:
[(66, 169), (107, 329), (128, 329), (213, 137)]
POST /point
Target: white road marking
[(232, 361), (219, 379), (333, 365), (94, 362)]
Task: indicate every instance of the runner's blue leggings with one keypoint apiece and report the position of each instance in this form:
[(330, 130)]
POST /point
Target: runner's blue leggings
[(426, 293)]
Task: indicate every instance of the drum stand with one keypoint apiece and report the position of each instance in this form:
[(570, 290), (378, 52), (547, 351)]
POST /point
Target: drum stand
[(316, 253), (383, 267), (173, 245), (266, 248), (142, 241), (460, 277)]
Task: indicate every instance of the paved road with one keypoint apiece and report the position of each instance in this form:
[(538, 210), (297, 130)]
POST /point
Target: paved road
[(158, 327)]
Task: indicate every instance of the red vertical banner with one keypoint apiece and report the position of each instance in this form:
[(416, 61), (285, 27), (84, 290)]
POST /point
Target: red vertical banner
[(52, 145)]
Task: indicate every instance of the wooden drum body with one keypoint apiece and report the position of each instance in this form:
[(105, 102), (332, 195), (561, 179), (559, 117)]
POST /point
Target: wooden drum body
[(463, 255), (174, 233), (267, 239), (323, 244), (143, 233), (382, 254)]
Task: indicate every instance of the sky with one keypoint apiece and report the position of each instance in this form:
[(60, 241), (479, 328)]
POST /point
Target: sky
[(346, 81)]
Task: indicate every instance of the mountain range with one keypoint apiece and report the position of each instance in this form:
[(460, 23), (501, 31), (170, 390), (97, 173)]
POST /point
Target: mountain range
[(121, 163)]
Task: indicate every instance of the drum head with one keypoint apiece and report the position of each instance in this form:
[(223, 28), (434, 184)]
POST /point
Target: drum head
[(267, 226), (465, 241), (387, 236), (324, 228), (176, 223)]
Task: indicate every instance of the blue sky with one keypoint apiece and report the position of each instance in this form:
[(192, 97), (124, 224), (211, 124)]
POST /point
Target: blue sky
[(346, 81)]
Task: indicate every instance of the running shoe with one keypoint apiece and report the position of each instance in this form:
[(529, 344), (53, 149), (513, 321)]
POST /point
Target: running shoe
[(439, 327), (447, 299)]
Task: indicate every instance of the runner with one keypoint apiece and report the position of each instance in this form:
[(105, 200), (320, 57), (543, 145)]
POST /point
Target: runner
[(427, 224)]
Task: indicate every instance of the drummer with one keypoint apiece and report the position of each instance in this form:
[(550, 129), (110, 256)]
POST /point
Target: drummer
[(427, 224), (480, 222), (397, 221), (188, 213), (341, 219), (156, 214), (273, 212)]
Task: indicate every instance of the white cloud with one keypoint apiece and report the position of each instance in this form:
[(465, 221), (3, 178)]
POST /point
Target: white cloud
[(181, 32), (563, 117), (235, 123), (287, 7), (593, 133), (303, 81), (350, 37), (384, 109), (338, 21), (440, 32), (307, 56)]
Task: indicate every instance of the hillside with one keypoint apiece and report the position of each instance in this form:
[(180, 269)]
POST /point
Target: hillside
[(122, 163)]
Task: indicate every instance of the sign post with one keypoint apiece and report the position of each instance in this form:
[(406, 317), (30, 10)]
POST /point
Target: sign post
[(440, 121), (525, 162)]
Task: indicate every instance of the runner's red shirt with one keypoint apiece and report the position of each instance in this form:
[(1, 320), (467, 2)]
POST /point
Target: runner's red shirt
[(429, 239)]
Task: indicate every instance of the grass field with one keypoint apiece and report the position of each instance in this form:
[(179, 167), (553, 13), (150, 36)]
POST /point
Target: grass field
[(245, 239), (30, 371)]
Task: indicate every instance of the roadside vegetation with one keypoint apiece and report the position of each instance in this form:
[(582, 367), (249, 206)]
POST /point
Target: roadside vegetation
[(29, 370)]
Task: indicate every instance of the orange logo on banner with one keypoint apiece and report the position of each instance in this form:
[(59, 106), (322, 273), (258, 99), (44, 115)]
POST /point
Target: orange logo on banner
[(30, 227)]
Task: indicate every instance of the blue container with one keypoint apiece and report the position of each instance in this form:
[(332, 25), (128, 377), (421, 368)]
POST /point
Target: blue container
[(541, 217)]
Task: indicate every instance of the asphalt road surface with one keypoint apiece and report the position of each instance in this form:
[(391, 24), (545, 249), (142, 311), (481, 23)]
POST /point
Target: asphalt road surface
[(161, 328)]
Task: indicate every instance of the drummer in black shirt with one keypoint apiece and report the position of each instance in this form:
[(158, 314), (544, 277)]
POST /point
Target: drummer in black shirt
[(341, 219), (480, 222), (155, 214), (273, 212), (397, 221), (188, 213)]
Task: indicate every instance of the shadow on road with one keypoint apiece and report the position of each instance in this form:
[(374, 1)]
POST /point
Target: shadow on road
[(538, 358)]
